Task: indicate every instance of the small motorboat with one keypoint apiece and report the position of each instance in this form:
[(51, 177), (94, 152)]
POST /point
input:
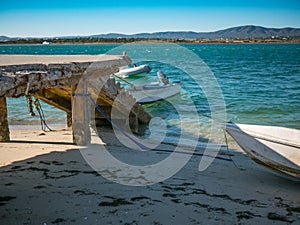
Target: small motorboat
[(135, 70), (155, 91), (276, 148)]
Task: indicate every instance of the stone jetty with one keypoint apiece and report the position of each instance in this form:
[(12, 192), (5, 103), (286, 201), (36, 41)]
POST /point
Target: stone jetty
[(64, 81)]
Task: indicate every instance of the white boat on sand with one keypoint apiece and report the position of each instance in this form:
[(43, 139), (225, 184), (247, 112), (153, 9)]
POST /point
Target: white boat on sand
[(155, 91), (276, 148), (131, 71)]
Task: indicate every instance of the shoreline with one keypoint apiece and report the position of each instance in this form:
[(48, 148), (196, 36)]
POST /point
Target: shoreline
[(239, 41), (37, 126)]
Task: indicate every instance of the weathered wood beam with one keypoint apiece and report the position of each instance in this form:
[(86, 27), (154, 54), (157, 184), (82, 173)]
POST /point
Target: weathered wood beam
[(55, 98), (4, 129), (69, 119), (81, 115)]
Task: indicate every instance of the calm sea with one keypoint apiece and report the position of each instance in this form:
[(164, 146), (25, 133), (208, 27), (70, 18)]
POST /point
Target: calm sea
[(260, 83)]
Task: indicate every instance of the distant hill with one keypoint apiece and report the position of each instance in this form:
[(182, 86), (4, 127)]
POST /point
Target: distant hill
[(160, 35), (4, 38), (244, 32), (241, 32)]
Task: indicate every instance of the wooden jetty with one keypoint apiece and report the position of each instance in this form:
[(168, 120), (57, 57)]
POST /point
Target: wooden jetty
[(64, 81)]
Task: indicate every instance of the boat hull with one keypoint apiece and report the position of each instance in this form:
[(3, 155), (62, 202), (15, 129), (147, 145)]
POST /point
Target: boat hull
[(147, 93), (142, 69), (276, 148)]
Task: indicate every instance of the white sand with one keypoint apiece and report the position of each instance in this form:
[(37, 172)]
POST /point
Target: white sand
[(30, 141), (50, 183)]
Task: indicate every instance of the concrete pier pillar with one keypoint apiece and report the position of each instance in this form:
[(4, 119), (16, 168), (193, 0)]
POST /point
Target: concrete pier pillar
[(4, 130)]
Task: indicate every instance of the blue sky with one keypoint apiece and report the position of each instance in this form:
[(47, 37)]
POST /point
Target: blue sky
[(58, 18)]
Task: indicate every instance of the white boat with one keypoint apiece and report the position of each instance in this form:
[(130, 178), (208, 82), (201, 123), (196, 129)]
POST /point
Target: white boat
[(155, 91), (130, 71), (277, 148)]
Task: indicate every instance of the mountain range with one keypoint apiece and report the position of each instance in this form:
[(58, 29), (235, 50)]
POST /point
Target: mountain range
[(241, 32)]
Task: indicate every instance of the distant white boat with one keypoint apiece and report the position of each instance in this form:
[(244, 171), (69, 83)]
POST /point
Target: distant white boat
[(46, 43), (130, 71), (155, 91), (276, 148)]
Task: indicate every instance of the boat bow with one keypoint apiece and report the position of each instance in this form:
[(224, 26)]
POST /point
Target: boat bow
[(277, 148)]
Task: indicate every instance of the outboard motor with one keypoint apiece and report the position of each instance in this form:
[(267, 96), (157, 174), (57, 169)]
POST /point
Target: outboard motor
[(147, 68), (163, 78)]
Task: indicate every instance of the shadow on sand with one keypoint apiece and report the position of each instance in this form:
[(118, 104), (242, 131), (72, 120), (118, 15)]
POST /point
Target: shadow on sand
[(61, 188)]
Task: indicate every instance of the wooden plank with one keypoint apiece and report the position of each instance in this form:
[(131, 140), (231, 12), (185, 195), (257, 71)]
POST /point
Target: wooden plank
[(69, 119), (56, 97), (4, 130), (81, 115)]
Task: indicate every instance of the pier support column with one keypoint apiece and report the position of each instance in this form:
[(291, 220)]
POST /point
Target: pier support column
[(133, 122), (81, 115), (69, 119), (4, 130)]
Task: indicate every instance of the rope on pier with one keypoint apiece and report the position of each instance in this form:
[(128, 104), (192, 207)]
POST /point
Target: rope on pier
[(30, 105), (40, 111)]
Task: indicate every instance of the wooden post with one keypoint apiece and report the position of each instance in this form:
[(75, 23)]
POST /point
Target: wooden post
[(69, 119), (133, 122), (4, 130), (81, 115)]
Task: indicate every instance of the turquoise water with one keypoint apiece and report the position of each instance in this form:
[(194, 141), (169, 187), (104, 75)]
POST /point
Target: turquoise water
[(260, 82)]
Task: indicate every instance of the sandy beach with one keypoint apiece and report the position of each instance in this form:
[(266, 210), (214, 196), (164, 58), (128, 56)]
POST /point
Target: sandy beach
[(45, 180)]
